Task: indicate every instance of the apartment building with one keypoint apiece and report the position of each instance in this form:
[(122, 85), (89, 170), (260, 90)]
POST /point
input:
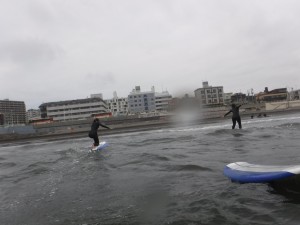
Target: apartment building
[(73, 109), (12, 112), (209, 95), (117, 106), (162, 101), (139, 102)]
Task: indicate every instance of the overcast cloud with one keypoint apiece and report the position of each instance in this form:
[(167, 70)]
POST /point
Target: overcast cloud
[(61, 50)]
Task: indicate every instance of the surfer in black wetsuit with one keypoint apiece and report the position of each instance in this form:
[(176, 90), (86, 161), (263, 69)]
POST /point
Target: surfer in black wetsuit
[(235, 115), (94, 128)]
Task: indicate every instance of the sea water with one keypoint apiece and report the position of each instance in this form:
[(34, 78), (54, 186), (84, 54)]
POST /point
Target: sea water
[(165, 176)]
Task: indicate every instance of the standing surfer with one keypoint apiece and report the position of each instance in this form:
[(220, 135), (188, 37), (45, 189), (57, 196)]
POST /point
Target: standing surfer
[(235, 115), (93, 132)]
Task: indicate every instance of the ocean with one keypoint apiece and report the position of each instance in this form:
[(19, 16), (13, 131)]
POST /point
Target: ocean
[(166, 176)]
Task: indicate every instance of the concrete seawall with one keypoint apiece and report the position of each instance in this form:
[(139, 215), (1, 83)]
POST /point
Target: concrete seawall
[(78, 129), (74, 129)]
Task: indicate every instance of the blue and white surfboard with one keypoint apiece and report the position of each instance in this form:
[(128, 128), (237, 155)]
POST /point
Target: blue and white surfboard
[(243, 172)]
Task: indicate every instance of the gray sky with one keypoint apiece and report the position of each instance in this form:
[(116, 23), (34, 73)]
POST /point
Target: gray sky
[(53, 50)]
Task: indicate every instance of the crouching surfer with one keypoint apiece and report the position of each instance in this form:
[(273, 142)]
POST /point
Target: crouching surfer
[(235, 115), (93, 132)]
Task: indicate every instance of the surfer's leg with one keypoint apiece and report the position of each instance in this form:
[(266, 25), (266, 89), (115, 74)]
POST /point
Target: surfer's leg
[(239, 122), (96, 140), (233, 122)]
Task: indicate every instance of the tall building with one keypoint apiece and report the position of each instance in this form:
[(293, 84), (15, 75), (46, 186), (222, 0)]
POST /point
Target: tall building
[(162, 101), (117, 106), (12, 112), (73, 109), (139, 101), (209, 95)]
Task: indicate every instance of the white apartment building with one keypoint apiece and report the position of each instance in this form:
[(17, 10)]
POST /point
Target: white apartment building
[(117, 106), (73, 109), (209, 95), (162, 101), (139, 102)]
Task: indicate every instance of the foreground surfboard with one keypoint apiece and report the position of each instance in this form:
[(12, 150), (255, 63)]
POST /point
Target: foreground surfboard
[(101, 146), (243, 172)]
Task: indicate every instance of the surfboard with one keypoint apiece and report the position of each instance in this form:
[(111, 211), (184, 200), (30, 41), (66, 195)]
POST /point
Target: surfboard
[(243, 172), (101, 146)]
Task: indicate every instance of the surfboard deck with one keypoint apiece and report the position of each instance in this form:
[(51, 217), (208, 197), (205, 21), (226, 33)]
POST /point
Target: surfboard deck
[(101, 146), (243, 172)]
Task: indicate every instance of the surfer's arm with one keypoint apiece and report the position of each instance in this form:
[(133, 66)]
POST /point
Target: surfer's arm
[(102, 125), (227, 113)]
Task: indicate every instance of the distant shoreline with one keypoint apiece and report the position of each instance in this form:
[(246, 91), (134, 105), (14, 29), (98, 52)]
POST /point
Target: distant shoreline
[(126, 128)]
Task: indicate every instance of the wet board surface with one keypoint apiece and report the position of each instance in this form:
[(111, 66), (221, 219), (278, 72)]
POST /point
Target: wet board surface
[(243, 172), (101, 146)]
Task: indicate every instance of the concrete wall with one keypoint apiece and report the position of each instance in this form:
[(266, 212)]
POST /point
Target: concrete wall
[(282, 105), (28, 129)]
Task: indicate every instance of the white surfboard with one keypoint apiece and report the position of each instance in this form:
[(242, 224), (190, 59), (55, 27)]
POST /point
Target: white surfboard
[(101, 146), (243, 172)]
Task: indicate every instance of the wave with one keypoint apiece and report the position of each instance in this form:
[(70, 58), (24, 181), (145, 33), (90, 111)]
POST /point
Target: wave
[(188, 167), (154, 157), (6, 165), (157, 140), (37, 168), (218, 132), (289, 125)]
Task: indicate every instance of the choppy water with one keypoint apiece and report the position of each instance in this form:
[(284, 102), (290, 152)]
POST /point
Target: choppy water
[(169, 176)]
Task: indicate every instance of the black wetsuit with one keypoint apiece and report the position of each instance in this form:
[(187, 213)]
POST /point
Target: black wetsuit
[(235, 116), (93, 132)]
